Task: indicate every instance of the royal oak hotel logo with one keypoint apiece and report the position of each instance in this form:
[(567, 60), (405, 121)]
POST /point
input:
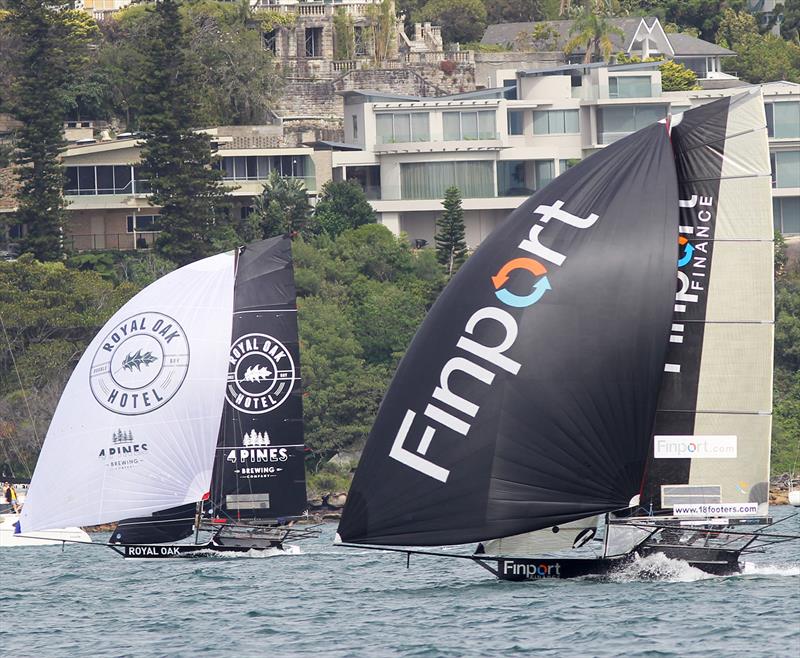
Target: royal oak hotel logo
[(261, 374), (140, 365)]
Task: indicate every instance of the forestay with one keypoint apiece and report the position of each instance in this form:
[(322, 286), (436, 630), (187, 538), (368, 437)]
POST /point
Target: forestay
[(137, 424), (527, 397)]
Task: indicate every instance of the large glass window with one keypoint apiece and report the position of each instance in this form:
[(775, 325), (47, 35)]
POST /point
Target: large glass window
[(469, 125), (103, 179), (143, 223), (629, 87), (783, 120), (617, 121), (429, 180), (394, 127), (523, 177), (547, 122), (516, 122), (785, 168), (258, 167), (786, 214)]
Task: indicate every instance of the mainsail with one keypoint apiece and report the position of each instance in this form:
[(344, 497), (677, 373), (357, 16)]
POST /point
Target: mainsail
[(136, 427), (259, 468), (527, 397), (712, 435)]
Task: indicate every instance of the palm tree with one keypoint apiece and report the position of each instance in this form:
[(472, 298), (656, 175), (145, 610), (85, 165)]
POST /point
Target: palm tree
[(593, 29)]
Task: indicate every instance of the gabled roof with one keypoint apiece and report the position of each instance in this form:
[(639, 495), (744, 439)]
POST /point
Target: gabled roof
[(633, 29), (685, 45)]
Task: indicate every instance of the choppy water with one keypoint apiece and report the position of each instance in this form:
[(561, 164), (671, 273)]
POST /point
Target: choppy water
[(326, 601)]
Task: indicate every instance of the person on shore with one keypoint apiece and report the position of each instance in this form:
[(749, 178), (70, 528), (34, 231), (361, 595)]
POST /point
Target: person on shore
[(11, 497)]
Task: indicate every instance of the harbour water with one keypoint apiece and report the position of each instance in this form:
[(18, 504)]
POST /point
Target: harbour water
[(328, 601)]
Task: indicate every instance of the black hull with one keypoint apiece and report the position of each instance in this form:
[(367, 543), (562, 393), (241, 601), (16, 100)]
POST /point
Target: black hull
[(717, 561), (520, 568), (169, 551)]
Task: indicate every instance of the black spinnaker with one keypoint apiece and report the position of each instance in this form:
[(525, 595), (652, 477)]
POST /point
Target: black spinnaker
[(527, 397)]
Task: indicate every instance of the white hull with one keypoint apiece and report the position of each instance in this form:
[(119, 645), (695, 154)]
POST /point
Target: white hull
[(43, 538), (794, 497)]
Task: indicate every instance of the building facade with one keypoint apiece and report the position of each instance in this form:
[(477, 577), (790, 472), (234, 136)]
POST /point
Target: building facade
[(498, 146)]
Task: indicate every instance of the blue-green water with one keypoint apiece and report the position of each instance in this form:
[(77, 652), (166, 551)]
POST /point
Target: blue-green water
[(326, 601)]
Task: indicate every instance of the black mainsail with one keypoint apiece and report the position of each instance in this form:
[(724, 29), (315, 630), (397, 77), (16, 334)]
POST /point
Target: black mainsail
[(712, 435), (527, 397), (259, 466)]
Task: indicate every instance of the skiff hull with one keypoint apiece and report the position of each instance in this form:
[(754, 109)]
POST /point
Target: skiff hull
[(9, 538)]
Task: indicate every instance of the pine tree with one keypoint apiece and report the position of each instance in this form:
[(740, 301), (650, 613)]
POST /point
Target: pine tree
[(48, 52), (177, 160), (451, 249)]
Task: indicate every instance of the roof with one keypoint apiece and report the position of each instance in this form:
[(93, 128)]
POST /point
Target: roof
[(683, 45), (371, 96), (506, 33), (686, 45)]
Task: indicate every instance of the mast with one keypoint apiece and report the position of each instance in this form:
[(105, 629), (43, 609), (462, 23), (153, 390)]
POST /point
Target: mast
[(711, 441), (527, 397), (259, 470)]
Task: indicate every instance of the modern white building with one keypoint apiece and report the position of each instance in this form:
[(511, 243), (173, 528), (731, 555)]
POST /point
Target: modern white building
[(500, 145)]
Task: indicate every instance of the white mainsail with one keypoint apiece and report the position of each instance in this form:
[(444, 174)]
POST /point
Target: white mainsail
[(136, 428)]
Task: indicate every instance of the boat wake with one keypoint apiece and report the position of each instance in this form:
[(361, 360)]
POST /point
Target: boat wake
[(289, 549), (658, 567), (750, 568)]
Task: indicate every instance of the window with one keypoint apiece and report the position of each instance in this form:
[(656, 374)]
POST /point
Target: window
[(786, 214), (549, 122), (355, 127), (245, 212), (258, 167), (569, 163), (523, 177), (511, 94), (785, 168), (402, 127), (696, 64), (469, 125), (783, 120), (313, 42), (270, 40), (429, 180), (103, 179), (616, 122), (516, 119), (369, 177), (629, 87), (361, 40), (143, 223)]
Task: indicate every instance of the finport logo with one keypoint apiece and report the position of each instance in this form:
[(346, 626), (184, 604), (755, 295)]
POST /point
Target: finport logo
[(694, 447), (446, 409), (531, 571)]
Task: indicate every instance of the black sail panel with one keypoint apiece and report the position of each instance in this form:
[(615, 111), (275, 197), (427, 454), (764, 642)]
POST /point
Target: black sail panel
[(259, 468), (528, 395)]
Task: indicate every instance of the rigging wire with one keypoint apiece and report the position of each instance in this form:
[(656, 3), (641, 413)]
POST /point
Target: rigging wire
[(24, 397)]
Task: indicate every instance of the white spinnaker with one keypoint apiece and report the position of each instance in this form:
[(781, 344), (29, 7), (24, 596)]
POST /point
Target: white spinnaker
[(107, 457)]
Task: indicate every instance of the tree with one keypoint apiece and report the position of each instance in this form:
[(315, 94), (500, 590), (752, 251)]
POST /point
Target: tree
[(282, 208), (50, 313), (344, 35), (51, 45), (521, 11), (759, 57), (677, 77), (461, 20), (176, 159), (342, 205), (381, 20), (790, 26), (451, 249), (593, 29)]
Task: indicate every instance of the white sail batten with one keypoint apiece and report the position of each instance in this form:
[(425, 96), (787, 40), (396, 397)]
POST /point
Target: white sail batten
[(136, 428)]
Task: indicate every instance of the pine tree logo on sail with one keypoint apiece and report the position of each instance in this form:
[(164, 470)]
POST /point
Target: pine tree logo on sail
[(140, 365), (261, 374)]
